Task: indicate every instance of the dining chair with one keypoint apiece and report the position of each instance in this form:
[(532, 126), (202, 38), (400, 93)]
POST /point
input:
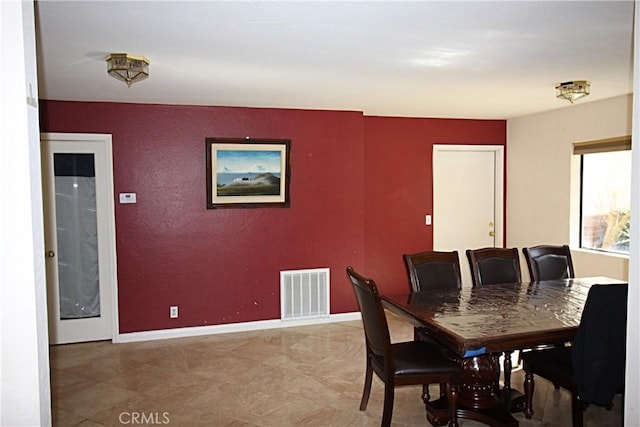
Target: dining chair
[(548, 262), (593, 368), (431, 270), (402, 363), (492, 266)]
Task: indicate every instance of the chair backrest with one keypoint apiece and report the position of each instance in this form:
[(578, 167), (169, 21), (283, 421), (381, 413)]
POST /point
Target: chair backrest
[(490, 266), (376, 328), (433, 270), (547, 262), (599, 347)]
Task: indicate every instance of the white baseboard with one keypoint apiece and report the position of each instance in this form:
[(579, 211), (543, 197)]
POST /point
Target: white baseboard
[(195, 331)]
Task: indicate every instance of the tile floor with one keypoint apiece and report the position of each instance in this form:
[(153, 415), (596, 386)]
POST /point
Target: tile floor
[(302, 376)]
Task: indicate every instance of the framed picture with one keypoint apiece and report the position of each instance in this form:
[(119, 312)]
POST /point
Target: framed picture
[(243, 173)]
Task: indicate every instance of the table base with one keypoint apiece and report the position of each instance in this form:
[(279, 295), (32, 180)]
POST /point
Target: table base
[(498, 416)]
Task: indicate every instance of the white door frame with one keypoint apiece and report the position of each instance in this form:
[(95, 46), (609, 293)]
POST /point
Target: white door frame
[(498, 151), (108, 234)]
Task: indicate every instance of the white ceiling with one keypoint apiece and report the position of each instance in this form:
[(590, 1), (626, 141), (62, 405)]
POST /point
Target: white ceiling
[(478, 59)]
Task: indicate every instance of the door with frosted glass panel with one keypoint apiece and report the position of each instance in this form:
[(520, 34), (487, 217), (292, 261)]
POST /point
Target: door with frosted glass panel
[(79, 236)]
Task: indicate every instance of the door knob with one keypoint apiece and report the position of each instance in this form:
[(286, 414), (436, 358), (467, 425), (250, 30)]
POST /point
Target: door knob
[(50, 254)]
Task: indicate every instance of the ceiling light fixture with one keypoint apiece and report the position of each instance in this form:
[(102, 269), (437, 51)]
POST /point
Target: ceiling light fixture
[(573, 90), (128, 68)]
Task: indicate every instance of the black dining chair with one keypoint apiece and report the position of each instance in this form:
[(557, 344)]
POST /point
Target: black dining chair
[(593, 368), (433, 270), (492, 266), (549, 262), (430, 270), (398, 364)]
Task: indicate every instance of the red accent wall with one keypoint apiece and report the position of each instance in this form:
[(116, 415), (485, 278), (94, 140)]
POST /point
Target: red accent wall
[(399, 186), (222, 265)]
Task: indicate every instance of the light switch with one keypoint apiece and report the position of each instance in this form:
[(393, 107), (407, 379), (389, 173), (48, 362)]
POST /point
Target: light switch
[(427, 220), (127, 197)]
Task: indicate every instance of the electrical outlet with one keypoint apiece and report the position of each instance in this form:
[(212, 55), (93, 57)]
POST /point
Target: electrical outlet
[(173, 312)]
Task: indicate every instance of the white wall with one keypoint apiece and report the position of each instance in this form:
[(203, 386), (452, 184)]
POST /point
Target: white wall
[(541, 173), (24, 357), (542, 181)]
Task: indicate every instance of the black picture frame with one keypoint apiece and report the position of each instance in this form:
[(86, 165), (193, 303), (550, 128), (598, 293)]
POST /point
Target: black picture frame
[(247, 173)]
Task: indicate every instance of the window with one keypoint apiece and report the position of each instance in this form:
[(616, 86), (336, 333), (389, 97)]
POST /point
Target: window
[(605, 197)]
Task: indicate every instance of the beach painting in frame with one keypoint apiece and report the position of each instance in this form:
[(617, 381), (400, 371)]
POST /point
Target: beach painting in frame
[(247, 173)]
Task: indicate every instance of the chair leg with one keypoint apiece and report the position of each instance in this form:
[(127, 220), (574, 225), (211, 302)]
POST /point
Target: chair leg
[(529, 387), (426, 397), (453, 403), (495, 359), (577, 409), (368, 377), (388, 404), (507, 370)]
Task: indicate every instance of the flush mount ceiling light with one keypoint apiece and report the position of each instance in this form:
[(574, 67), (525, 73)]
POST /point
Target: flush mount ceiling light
[(573, 90), (128, 68)]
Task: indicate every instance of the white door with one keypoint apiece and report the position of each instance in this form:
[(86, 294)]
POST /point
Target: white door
[(467, 199), (79, 237)]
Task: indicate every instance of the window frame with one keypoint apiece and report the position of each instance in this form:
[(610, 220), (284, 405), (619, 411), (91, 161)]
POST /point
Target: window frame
[(608, 145)]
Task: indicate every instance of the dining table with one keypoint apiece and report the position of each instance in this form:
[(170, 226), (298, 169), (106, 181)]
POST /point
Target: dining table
[(475, 325)]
